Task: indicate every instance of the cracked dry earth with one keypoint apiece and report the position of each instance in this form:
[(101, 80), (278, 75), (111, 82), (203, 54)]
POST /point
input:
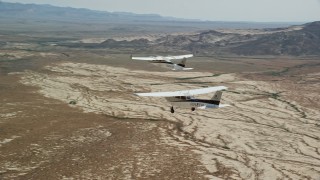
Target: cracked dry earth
[(271, 130)]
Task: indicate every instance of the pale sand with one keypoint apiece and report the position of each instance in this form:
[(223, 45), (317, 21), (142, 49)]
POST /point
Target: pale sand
[(261, 136)]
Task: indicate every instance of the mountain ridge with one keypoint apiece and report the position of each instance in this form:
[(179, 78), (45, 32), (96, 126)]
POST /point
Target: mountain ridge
[(284, 41), (47, 12)]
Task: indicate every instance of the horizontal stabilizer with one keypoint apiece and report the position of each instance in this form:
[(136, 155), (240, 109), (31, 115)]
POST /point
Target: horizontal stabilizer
[(223, 105), (179, 68)]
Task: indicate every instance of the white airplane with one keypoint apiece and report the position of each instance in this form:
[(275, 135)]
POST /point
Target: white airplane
[(177, 62), (185, 99)]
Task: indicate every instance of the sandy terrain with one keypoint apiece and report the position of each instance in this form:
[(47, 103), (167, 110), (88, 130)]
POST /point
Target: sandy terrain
[(43, 138), (68, 110), (270, 132)]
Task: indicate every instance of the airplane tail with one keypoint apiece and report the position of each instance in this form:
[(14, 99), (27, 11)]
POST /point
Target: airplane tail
[(177, 67), (183, 62), (216, 98), (180, 66)]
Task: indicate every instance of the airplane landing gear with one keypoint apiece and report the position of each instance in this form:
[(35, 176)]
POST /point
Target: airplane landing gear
[(193, 108), (171, 109)]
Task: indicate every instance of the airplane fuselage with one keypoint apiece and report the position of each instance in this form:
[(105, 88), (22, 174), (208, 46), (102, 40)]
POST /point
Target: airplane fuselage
[(189, 102), (185, 99), (177, 63), (161, 61)]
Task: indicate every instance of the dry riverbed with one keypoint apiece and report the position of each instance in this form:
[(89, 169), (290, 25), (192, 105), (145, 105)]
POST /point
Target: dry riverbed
[(271, 130)]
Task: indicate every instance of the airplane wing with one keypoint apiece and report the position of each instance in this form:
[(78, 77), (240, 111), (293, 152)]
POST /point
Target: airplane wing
[(183, 93), (151, 58), (165, 58), (180, 57)]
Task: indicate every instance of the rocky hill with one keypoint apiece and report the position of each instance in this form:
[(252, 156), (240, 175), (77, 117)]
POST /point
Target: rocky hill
[(293, 41), (243, 41), (281, 41), (301, 42)]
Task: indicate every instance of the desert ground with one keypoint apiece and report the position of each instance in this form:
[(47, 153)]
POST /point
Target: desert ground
[(73, 115)]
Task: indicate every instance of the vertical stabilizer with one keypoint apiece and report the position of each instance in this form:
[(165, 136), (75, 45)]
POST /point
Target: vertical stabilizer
[(183, 62), (180, 66), (216, 97)]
